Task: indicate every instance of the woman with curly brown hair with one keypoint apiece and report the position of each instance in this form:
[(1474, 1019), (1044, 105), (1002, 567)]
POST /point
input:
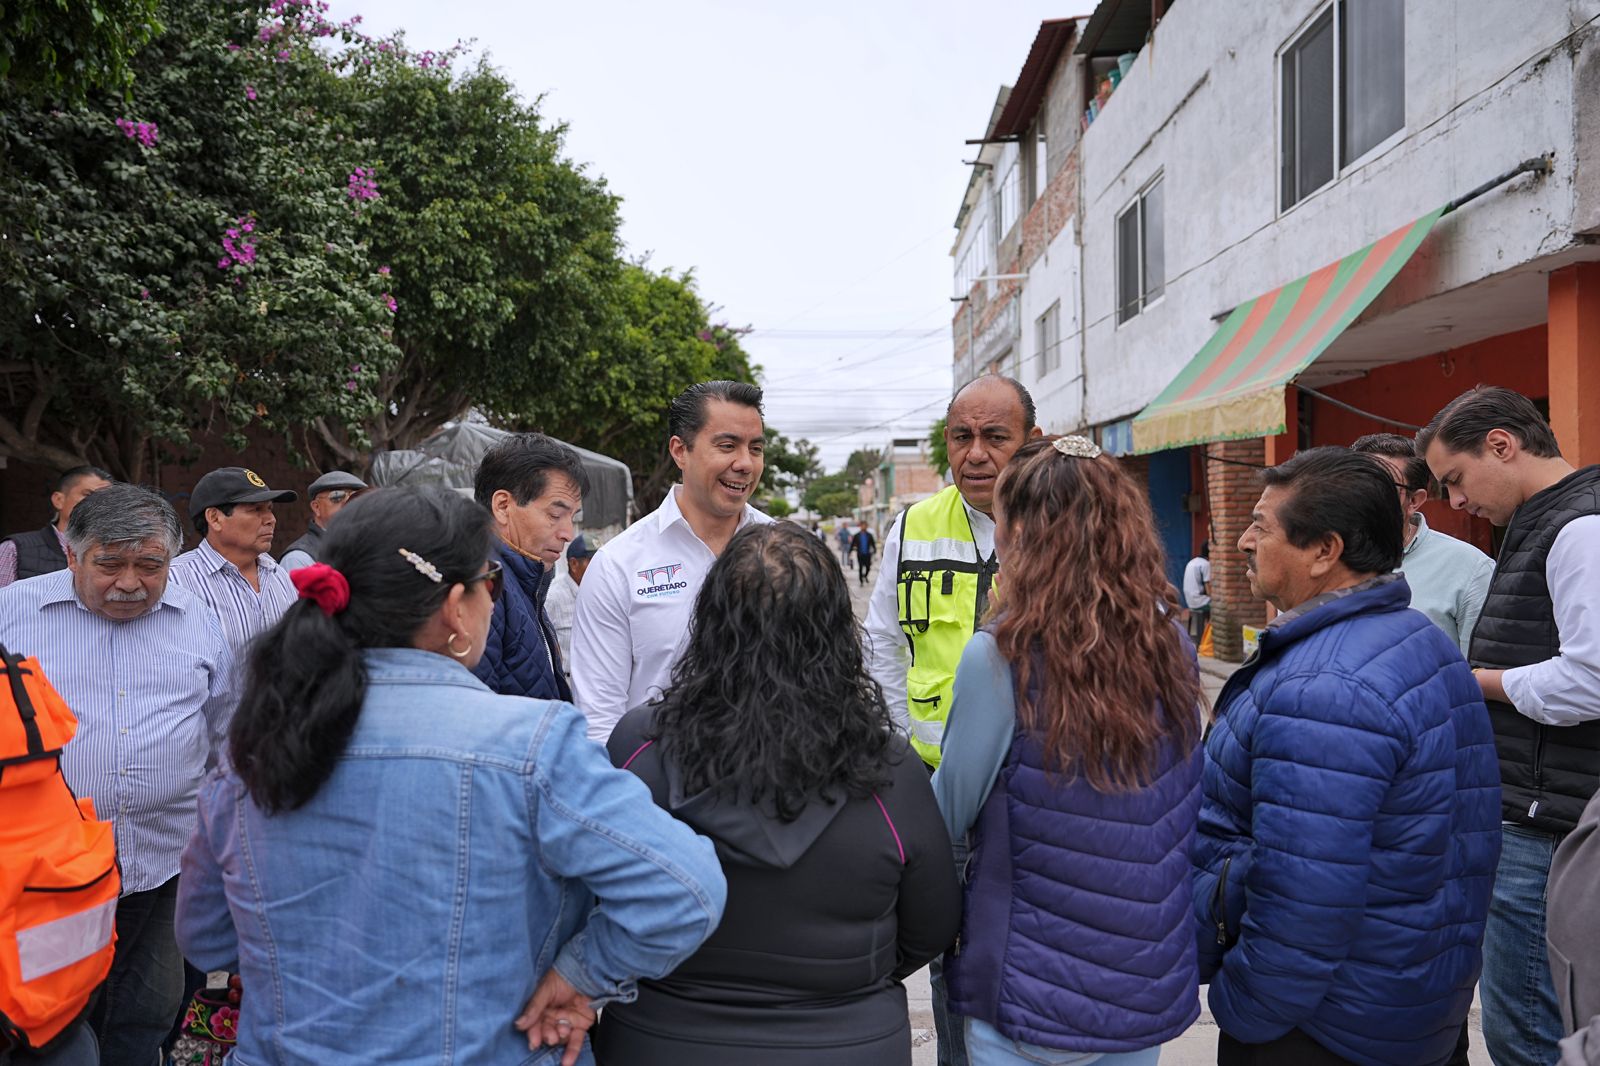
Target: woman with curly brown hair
[(1072, 758)]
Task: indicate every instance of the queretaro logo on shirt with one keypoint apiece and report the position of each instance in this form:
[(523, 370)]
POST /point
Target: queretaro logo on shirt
[(661, 581)]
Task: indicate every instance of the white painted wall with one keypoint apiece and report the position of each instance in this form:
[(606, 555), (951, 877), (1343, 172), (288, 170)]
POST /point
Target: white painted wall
[(1200, 106), (1058, 395)]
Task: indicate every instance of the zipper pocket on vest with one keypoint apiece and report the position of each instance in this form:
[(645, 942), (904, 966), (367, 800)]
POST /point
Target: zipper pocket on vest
[(1219, 904)]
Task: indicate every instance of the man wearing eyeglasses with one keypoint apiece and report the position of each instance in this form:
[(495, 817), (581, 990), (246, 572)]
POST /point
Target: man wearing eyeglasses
[(1449, 578), (328, 494)]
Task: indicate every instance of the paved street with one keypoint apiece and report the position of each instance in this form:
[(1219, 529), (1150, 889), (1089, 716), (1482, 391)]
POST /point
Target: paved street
[(1198, 1046)]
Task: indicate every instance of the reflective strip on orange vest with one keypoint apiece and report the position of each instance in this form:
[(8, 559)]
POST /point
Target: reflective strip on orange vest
[(53, 945)]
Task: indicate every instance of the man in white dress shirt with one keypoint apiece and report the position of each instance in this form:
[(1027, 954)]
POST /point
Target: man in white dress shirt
[(637, 598)]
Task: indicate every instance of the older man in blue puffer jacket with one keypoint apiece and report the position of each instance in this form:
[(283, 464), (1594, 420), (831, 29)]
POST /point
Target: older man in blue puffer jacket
[(1351, 816)]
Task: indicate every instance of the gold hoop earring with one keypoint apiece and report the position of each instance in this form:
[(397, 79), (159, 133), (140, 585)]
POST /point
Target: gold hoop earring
[(450, 646)]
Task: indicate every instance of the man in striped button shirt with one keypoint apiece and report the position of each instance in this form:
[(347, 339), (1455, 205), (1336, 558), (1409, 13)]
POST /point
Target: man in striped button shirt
[(231, 508), (143, 665)]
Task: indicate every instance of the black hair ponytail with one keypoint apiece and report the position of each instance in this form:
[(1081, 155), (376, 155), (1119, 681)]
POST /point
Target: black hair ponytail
[(306, 677)]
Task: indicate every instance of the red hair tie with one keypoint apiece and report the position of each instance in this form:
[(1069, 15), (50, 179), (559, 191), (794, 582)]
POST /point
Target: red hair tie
[(324, 586)]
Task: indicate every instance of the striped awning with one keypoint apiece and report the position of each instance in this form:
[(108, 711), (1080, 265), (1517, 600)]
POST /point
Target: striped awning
[(1235, 387)]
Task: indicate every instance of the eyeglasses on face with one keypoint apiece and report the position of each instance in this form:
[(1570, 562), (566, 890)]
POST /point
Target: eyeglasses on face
[(341, 495), (491, 578)]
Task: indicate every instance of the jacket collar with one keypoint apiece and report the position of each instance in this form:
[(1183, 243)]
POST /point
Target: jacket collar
[(414, 664), (1416, 536), (527, 573), (1383, 593)]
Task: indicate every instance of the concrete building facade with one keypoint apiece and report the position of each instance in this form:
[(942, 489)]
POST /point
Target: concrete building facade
[(1247, 144)]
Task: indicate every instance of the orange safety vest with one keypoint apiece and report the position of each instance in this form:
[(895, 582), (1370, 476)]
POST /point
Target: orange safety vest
[(59, 880)]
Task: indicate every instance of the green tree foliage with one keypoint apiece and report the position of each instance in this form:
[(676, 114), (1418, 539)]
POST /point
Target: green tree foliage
[(613, 397), (938, 450), (831, 494), (789, 463), (504, 253), (292, 228), (184, 262), (65, 49), (862, 464)]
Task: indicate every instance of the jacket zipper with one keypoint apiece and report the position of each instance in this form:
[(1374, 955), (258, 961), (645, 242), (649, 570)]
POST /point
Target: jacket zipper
[(1538, 770), (1219, 904)]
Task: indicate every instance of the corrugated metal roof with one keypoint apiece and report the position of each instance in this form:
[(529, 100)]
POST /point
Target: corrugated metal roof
[(1028, 92), (1116, 26)]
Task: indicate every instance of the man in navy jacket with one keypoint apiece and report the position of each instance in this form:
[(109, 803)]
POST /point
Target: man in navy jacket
[(1351, 816), (533, 486)]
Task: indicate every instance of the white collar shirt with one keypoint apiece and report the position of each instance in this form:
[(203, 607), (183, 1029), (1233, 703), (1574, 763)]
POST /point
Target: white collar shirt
[(633, 611)]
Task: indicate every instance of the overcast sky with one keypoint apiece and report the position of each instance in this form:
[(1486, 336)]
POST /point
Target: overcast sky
[(804, 160)]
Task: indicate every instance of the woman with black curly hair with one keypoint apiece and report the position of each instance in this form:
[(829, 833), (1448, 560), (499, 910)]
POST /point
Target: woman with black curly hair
[(774, 742)]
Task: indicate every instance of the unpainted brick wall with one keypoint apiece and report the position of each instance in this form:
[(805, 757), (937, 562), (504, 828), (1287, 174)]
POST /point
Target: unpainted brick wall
[(1233, 490)]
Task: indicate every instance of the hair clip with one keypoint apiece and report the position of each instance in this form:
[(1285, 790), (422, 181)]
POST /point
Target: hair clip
[(425, 568), (1077, 447)]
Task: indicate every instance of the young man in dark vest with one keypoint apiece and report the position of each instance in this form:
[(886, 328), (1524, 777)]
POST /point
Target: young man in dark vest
[(1536, 655), (43, 551)]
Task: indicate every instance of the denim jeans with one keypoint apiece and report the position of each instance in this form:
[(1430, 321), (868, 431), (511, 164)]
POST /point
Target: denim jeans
[(1521, 1019), (952, 1034), (988, 1046), (74, 1047), (134, 1008)]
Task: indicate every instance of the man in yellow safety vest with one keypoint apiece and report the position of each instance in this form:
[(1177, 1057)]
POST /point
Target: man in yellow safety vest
[(939, 562)]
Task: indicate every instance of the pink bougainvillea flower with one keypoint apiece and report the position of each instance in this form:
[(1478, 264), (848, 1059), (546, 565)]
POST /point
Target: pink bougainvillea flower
[(388, 301), (249, 92), (361, 185)]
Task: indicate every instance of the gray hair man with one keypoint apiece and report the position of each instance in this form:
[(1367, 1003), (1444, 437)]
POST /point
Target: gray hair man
[(1449, 578), (144, 666)]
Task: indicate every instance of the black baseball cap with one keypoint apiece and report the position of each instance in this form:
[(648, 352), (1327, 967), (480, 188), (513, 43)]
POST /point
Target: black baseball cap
[(337, 479), (582, 547), (233, 484)]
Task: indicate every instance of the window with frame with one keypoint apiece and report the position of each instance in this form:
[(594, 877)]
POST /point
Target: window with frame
[(1141, 252), (1047, 333), (1343, 92), (1035, 160), (1006, 191)]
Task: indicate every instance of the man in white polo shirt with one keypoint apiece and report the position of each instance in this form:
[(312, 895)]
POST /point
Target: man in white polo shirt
[(637, 598)]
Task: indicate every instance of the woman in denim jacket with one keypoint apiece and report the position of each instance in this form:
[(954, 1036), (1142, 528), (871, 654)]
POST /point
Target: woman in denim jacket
[(400, 863)]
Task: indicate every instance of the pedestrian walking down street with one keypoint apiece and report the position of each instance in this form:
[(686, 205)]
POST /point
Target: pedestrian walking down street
[(1535, 652), (843, 535), (1350, 821), (864, 544), (1077, 937), (398, 861), (840, 879), (636, 600), (1197, 592)]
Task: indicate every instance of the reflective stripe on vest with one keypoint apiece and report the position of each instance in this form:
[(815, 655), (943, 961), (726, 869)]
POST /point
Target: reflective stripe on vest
[(942, 586), (54, 945)]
